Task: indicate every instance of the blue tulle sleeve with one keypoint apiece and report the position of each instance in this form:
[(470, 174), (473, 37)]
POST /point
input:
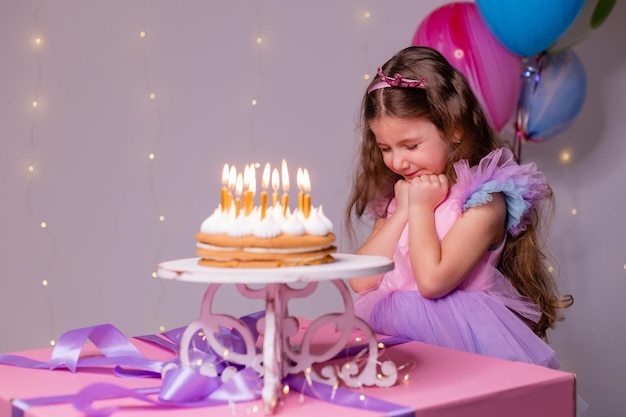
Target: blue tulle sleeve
[(523, 186)]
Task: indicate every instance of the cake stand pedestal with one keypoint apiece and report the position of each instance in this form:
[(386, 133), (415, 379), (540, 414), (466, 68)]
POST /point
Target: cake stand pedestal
[(279, 357)]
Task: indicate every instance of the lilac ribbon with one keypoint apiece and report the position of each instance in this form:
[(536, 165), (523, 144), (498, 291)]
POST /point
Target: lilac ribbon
[(181, 386), (116, 348)]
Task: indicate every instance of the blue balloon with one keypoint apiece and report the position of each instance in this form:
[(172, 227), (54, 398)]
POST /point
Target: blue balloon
[(553, 96), (528, 27)]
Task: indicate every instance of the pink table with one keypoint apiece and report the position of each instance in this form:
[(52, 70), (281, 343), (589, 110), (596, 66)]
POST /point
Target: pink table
[(441, 382)]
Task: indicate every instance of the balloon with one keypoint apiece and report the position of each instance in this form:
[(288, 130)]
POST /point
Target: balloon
[(528, 27), (552, 95), (493, 72), (593, 14)]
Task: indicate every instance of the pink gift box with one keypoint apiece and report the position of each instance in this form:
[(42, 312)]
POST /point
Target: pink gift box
[(441, 382)]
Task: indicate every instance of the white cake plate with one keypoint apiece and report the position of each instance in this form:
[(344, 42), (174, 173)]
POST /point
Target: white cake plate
[(278, 357)]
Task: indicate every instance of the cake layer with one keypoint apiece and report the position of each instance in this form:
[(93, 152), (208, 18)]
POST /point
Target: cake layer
[(269, 263), (282, 241), (243, 255)]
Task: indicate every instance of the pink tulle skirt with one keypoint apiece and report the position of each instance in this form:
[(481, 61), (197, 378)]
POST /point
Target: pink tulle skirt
[(471, 321)]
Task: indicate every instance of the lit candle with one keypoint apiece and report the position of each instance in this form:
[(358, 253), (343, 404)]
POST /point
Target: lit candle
[(265, 181), (252, 186), (275, 184), (285, 182), (224, 186), (248, 195), (300, 193), (238, 191), (232, 179), (306, 184)]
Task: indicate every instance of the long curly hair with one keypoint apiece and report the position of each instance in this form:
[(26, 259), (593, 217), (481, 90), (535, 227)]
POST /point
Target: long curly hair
[(448, 102)]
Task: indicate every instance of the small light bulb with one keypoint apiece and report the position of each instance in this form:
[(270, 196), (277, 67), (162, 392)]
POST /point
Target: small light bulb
[(31, 168), (550, 268), (151, 155), (35, 103), (152, 96), (381, 345), (459, 54), (43, 225), (161, 328), (362, 397), (406, 378), (44, 282), (142, 34), (366, 77), (254, 102), (574, 211), (255, 408), (565, 157), (37, 40), (358, 339), (162, 218), (285, 389), (259, 40), (53, 342), (367, 15), (154, 275)]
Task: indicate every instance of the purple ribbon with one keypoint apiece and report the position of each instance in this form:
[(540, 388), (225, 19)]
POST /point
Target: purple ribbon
[(116, 348), (181, 386)]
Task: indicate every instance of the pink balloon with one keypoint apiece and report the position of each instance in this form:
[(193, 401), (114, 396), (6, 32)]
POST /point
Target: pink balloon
[(494, 73)]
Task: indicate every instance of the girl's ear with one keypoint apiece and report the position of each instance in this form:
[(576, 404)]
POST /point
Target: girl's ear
[(456, 137)]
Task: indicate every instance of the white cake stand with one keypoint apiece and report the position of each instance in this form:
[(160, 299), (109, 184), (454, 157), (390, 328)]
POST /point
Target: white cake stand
[(278, 357)]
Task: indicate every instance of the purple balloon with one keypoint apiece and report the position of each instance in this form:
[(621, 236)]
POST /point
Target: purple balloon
[(457, 31), (552, 96)]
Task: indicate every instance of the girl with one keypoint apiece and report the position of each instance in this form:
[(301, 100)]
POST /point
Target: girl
[(457, 214)]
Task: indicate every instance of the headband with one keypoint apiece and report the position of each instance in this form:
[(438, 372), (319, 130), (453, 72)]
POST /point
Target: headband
[(396, 81)]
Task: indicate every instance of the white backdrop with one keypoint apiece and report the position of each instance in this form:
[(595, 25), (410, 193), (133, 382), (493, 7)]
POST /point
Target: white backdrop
[(100, 195)]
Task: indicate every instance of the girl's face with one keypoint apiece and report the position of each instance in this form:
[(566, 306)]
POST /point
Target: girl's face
[(411, 147)]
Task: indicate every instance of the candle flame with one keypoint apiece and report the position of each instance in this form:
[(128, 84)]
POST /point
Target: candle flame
[(232, 177), (265, 180), (239, 184), (299, 178), (306, 182), (246, 177), (275, 180), (225, 175), (285, 176)]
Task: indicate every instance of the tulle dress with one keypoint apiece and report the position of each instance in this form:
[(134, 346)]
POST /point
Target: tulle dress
[(478, 316)]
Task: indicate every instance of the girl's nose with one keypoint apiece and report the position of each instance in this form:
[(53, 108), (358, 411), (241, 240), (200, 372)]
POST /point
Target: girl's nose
[(399, 161)]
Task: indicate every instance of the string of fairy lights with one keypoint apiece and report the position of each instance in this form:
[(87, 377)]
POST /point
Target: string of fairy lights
[(38, 104), (33, 170), (150, 95)]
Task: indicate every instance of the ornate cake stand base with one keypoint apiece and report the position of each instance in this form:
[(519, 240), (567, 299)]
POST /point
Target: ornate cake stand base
[(279, 356)]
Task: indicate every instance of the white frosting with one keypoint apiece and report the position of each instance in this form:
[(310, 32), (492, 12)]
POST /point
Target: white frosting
[(294, 225), (267, 228), (242, 226), (214, 224), (276, 221)]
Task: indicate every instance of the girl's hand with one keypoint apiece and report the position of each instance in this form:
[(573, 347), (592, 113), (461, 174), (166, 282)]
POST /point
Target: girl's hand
[(428, 190)]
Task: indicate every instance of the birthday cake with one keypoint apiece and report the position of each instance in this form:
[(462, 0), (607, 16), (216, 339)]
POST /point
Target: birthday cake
[(240, 234)]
